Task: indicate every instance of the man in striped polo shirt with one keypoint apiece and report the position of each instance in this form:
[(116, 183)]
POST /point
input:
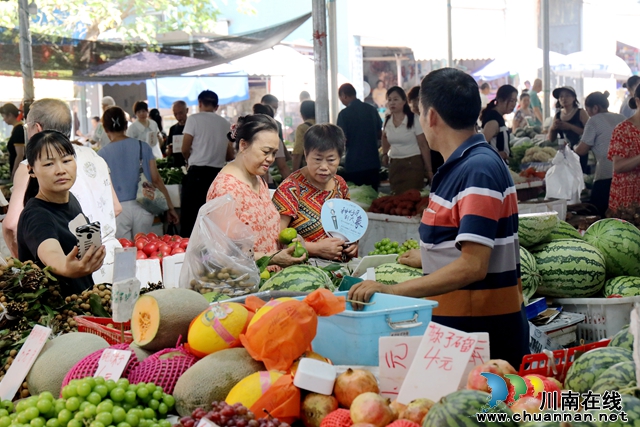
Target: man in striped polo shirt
[(469, 248)]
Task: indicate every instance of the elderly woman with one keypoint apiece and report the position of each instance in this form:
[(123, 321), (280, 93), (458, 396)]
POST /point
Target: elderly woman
[(300, 197)]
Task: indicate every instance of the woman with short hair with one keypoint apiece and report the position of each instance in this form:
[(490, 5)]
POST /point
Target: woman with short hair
[(145, 129)]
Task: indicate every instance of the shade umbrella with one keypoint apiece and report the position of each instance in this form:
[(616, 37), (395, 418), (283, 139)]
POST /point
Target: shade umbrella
[(593, 65)]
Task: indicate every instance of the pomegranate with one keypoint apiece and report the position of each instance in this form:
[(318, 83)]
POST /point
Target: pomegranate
[(315, 407), (526, 403), (475, 381), (504, 366), (397, 407), (352, 383), (371, 408), (416, 410)]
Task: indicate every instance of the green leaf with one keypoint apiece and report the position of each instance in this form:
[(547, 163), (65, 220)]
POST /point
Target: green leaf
[(263, 262), (97, 309), (332, 267)]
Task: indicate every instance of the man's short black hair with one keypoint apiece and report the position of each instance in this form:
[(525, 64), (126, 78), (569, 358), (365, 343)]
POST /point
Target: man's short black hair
[(208, 98), (269, 99), (347, 89), (484, 86), (454, 95), (308, 109), (633, 81)]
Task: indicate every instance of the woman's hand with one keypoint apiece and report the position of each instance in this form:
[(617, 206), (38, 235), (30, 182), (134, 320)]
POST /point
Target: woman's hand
[(412, 258), (90, 262), (350, 251), (172, 216), (385, 160), (330, 248), (285, 258)]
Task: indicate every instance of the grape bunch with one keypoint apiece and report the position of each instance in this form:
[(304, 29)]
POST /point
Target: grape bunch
[(386, 247), (225, 415), (93, 402)]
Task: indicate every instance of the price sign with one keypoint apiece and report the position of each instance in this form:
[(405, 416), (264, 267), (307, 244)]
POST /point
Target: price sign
[(112, 363), (395, 357), (344, 219), (23, 362), (479, 356), (126, 288), (177, 143), (438, 366)]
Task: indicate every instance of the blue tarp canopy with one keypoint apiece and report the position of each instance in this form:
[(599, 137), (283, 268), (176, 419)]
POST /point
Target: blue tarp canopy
[(231, 87), (518, 62)]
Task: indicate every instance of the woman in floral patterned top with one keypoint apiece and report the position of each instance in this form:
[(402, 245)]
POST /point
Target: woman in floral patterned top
[(300, 197), (624, 152), (257, 141)]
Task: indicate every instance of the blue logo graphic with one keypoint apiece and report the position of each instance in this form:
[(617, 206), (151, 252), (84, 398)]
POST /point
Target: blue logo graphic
[(499, 390)]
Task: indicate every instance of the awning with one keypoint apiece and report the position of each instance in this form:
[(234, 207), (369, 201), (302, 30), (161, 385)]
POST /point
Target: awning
[(593, 65), (518, 62)]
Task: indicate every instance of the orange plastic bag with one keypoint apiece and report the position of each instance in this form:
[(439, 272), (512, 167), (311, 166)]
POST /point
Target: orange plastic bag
[(281, 401), (279, 337)]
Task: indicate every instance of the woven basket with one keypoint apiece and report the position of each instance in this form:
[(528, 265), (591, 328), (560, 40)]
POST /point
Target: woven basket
[(337, 418), (88, 366), (163, 372)]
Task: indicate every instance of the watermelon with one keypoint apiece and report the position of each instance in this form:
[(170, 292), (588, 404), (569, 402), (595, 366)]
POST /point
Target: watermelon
[(620, 377), (585, 370), (299, 278), (564, 230), (529, 274), (535, 227), (625, 286), (623, 339), (619, 242), (460, 408), (393, 273), (630, 406), (569, 268)]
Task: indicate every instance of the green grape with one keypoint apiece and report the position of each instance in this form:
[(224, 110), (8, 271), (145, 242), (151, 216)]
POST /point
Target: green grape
[(102, 390), (164, 423), (123, 424), (90, 411), (169, 400), (118, 414), (94, 398), (105, 406), (64, 416), (96, 424), (162, 409), (105, 418), (132, 419), (53, 422), (84, 389), (5, 421), (91, 381), (123, 382), (100, 381), (38, 422), (75, 423), (142, 392), (130, 396), (117, 394), (31, 413), (4, 413), (111, 384), (44, 406)]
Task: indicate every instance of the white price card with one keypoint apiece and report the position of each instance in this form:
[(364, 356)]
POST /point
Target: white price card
[(124, 264), (395, 357), (124, 295), (479, 356), (112, 363), (439, 363), (23, 362), (177, 143)]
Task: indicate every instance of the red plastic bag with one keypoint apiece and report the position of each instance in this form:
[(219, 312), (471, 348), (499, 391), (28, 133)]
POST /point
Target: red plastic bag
[(286, 331), (281, 401)]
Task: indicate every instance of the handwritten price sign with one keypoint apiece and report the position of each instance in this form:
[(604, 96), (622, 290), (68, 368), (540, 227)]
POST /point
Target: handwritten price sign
[(396, 355), (439, 363), (112, 363), (342, 218)]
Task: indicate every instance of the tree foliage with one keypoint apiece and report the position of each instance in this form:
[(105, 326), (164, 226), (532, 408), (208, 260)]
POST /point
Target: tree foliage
[(130, 20)]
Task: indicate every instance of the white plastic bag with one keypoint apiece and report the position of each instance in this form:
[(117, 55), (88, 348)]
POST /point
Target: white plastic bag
[(219, 257), (564, 180)]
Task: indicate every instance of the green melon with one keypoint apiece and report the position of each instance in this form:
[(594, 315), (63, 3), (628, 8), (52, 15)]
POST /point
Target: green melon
[(625, 286), (299, 278), (393, 273), (585, 370), (623, 339), (569, 268), (630, 406), (619, 242), (460, 408), (620, 377), (535, 227), (564, 230), (529, 274)]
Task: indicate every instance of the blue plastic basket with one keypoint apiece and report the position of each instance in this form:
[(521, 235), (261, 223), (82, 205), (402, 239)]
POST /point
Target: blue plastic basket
[(351, 337)]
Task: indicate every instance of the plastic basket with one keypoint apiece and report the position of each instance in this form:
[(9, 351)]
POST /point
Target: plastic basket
[(98, 326), (541, 363), (604, 317)]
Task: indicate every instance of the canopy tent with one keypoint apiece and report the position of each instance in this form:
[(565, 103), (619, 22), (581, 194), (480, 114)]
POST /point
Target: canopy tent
[(83, 60), (519, 62), (593, 65)]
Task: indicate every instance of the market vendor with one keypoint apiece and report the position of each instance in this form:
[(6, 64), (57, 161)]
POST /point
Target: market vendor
[(16, 143), (494, 128), (300, 197), (469, 248), (257, 141), (43, 229)]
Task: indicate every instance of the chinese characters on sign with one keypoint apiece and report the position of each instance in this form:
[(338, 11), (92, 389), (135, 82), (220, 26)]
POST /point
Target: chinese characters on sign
[(344, 219), (112, 363), (396, 355)]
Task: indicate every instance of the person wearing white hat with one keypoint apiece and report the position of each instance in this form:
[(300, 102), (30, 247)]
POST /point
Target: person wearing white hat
[(569, 121)]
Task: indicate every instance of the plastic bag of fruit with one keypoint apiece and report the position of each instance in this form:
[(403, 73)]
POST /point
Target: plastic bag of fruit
[(219, 257)]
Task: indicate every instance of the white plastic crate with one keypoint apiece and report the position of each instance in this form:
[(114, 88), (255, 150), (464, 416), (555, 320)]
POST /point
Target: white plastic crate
[(604, 317)]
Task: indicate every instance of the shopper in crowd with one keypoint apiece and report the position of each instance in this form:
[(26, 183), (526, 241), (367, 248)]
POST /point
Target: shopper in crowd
[(404, 148), (596, 137), (485, 90), (205, 148), (494, 127), (304, 96), (43, 229), (145, 129), (470, 227), (125, 156), (281, 158), (569, 121), (379, 95), (154, 114), (17, 140), (413, 98), (92, 187), (300, 198), (283, 155), (180, 112), (524, 116), (536, 104), (308, 114), (362, 127), (632, 83), (100, 138), (256, 139), (624, 152)]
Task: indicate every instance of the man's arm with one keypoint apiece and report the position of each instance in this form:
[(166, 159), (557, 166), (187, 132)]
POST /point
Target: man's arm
[(10, 222), (19, 158), (186, 145)]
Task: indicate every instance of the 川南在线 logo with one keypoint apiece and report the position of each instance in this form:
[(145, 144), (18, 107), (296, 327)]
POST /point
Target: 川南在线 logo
[(500, 391)]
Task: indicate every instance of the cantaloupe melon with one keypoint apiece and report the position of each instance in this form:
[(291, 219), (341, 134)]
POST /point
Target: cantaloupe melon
[(250, 389), (57, 357), (140, 353), (212, 378), (218, 328), (268, 306), (160, 317)]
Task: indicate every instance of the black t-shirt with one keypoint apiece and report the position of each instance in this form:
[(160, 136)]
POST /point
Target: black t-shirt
[(17, 138), (42, 220), (178, 158), (501, 141)]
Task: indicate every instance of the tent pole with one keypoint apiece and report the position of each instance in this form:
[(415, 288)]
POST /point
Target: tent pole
[(319, 12), (449, 36), (157, 96), (546, 70), (26, 55), (333, 63)]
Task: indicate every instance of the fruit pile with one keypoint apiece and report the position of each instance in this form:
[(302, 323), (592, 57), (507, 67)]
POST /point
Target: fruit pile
[(409, 203), (225, 415), (150, 246), (387, 247)]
